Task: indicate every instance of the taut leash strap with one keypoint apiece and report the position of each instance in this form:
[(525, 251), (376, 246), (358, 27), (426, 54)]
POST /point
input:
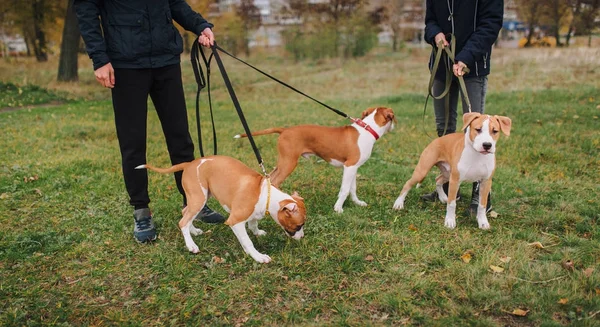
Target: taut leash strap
[(341, 113)]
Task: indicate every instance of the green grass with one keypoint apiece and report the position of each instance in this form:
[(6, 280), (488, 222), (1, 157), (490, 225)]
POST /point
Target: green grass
[(12, 95), (67, 255)]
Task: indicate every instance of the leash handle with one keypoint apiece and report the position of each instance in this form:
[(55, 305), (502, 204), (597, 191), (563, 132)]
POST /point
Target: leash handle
[(202, 82), (236, 103)]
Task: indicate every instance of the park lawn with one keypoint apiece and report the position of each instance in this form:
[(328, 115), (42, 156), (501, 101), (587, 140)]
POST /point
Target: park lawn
[(67, 255)]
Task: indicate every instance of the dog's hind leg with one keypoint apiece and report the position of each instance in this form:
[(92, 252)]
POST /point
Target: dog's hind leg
[(417, 177), (285, 166), (190, 212)]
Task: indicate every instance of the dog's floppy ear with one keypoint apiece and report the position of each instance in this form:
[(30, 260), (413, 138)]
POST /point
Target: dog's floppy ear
[(297, 196), (292, 206), (367, 112), (505, 124), (468, 119), (389, 115)]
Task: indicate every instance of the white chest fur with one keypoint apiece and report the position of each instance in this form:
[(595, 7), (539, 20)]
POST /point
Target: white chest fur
[(474, 166)]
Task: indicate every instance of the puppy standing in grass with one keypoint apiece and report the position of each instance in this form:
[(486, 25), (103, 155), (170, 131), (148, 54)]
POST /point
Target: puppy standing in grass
[(346, 146), (462, 157), (245, 194)]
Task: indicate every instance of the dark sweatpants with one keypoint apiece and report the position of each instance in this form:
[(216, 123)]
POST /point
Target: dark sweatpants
[(130, 98)]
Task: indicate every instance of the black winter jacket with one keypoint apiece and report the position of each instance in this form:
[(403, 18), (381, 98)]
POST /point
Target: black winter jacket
[(135, 33), (475, 25)]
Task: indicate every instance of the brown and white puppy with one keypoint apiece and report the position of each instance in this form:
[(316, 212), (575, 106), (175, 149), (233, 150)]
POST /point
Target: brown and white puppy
[(462, 157), (346, 146), (244, 194)]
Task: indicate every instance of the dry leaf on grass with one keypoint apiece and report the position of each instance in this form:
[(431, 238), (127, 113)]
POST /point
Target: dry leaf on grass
[(537, 245), (369, 258), (505, 259), (216, 259), (563, 301), (588, 272), (412, 227), (4, 196), (493, 214), (466, 257), (496, 269), (520, 312), (568, 265)]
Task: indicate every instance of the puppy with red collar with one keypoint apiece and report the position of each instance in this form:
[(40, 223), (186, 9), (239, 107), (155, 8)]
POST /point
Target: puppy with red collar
[(462, 157), (245, 194), (346, 146)]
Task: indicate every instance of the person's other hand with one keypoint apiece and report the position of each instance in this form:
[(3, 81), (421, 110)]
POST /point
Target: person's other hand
[(440, 37), (458, 68), (105, 75), (207, 38)]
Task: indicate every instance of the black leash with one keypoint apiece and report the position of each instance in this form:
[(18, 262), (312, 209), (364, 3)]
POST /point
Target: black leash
[(202, 82), (339, 112)]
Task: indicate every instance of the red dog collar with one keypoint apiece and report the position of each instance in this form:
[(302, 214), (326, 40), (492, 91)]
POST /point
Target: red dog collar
[(366, 126)]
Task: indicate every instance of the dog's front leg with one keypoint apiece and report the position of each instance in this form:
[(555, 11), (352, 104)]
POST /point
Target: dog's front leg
[(240, 232), (347, 179), (484, 189), (253, 226), (450, 220)]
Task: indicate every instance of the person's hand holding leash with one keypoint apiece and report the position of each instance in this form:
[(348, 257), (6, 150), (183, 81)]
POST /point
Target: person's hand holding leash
[(105, 75), (440, 37), (458, 68), (207, 38)]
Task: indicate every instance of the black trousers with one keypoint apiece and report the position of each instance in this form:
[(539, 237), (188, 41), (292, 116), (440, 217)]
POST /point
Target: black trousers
[(130, 103)]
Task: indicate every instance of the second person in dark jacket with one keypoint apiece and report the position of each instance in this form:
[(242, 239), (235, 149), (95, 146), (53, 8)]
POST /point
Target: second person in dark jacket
[(475, 25)]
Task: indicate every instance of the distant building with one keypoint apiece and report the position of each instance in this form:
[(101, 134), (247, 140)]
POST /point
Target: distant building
[(12, 45)]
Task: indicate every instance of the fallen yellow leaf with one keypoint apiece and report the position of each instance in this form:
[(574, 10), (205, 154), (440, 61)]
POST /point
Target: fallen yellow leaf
[(537, 245), (412, 227), (496, 269), (369, 258), (493, 214), (520, 312), (466, 257), (563, 301), (505, 259)]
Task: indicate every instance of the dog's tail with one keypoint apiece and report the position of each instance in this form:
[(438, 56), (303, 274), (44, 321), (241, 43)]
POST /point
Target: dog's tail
[(277, 130), (172, 169)]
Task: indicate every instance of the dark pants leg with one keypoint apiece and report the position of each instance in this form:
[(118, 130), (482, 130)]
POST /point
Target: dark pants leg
[(130, 96), (476, 89), (169, 100)]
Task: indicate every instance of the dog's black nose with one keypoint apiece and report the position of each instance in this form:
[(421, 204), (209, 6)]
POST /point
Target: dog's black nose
[(487, 145)]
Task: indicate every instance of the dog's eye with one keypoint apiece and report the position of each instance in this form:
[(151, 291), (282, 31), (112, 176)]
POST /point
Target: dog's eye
[(495, 132), (478, 130)]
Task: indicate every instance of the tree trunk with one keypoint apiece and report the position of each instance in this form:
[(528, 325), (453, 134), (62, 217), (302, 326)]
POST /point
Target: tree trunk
[(69, 48), (39, 42)]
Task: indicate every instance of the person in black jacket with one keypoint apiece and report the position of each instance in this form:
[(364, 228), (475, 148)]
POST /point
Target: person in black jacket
[(475, 25), (135, 50)]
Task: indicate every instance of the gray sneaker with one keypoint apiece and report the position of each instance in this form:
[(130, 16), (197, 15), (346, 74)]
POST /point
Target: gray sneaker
[(143, 228), (209, 216)]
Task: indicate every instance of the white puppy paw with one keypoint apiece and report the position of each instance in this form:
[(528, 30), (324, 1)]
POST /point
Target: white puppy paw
[(360, 203), (260, 232), (338, 208), (195, 231), (399, 204), (261, 258), (450, 222), (193, 248), (483, 223)]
